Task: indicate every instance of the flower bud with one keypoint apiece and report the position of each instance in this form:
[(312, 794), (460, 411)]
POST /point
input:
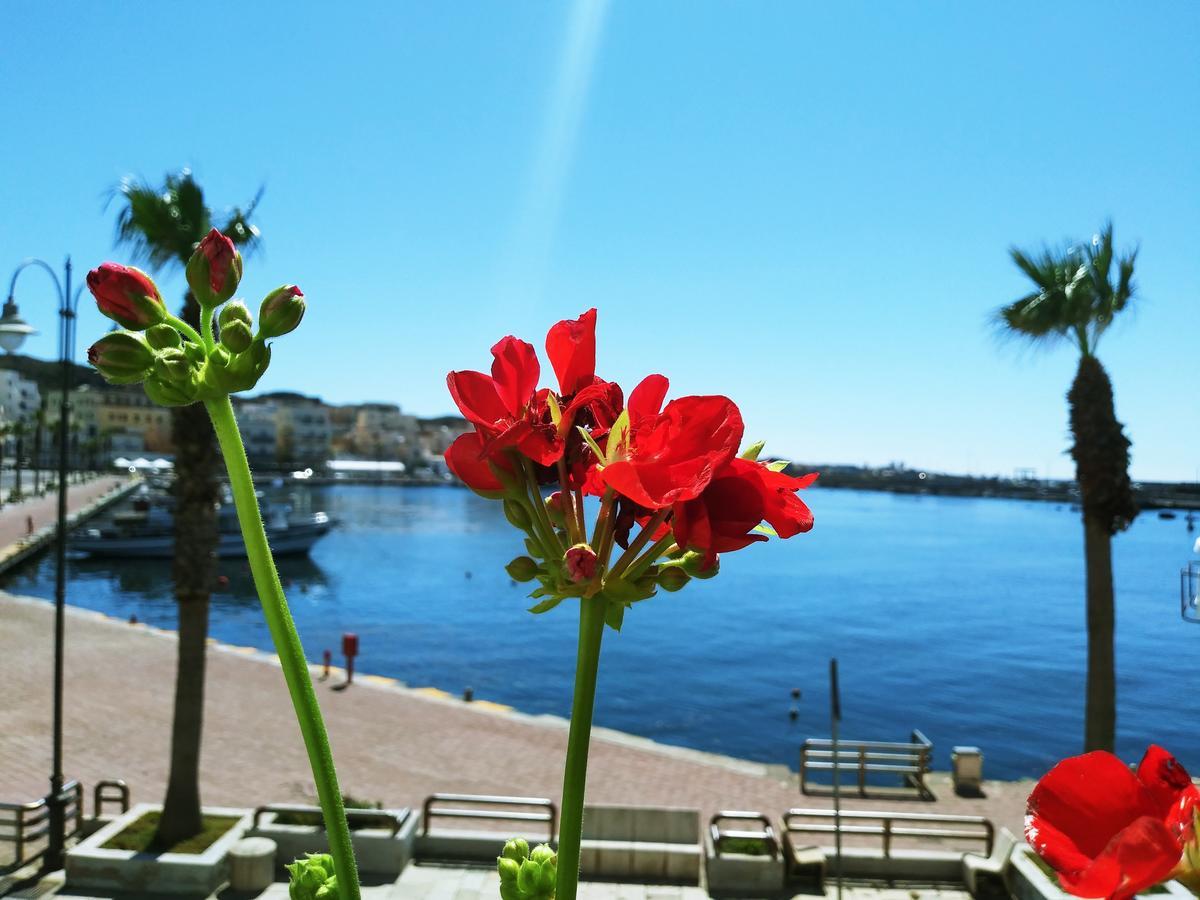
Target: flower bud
[(693, 563), (281, 311), (173, 366), (527, 877), (556, 507), (121, 357), (236, 335), (543, 853), (215, 269), (508, 868), (312, 878), (672, 578), (167, 394), (127, 296), (517, 515), (234, 312), (516, 849), (581, 563), (522, 569), (163, 336)]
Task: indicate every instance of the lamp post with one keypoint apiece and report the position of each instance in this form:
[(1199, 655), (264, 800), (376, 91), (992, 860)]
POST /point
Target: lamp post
[(13, 331)]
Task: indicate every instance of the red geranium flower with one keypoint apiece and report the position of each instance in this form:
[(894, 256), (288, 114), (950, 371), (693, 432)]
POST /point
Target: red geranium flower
[(740, 497), (1107, 831), (672, 455), (465, 458), (126, 295)]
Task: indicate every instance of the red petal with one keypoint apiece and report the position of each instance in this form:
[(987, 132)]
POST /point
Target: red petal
[(1087, 799), (464, 458), (476, 396), (647, 398), (516, 371), (571, 346), (1139, 856)]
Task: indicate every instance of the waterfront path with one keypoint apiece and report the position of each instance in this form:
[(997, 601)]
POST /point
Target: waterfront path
[(36, 518), (392, 744)]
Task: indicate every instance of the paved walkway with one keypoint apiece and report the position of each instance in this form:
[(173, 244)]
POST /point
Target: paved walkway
[(392, 743), (39, 515)]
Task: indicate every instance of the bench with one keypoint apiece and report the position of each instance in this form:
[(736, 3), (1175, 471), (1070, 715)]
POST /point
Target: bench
[(942, 843), (651, 844), (910, 761), (537, 818)]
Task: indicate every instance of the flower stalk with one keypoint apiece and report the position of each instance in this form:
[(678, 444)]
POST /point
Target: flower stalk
[(287, 644)]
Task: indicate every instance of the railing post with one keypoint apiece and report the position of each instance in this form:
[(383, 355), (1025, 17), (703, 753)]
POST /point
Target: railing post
[(862, 770), (887, 836), (20, 837)]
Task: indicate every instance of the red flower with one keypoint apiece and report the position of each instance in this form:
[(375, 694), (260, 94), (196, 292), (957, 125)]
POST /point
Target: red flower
[(741, 496), (465, 458), (219, 251), (502, 406), (214, 270), (126, 295), (1108, 832), (581, 562), (673, 455), (571, 347)]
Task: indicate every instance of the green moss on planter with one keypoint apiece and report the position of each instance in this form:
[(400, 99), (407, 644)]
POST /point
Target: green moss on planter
[(139, 834), (355, 816)]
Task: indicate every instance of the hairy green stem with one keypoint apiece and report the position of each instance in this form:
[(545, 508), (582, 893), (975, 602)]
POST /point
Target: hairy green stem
[(660, 547), (591, 630), (185, 329), (287, 645)]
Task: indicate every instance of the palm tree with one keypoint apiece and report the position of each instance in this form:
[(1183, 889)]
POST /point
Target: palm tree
[(1075, 298), (162, 225)]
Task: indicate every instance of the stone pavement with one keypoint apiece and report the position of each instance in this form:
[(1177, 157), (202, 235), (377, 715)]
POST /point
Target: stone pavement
[(392, 743)]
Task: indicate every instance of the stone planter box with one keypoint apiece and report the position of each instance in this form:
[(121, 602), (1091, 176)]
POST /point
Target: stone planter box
[(1028, 882), (89, 865), (377, 850), (741, 874)]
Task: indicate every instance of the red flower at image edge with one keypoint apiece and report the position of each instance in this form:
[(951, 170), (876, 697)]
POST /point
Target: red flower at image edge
[(741, 495), (1108, 832), (673, 454)]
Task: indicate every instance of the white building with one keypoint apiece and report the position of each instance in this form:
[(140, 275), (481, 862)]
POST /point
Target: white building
[(19, 397)]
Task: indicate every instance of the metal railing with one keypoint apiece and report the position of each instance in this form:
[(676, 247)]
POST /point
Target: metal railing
[(766, 834), (113, 790), (22, 824), (911, 761), (1189, 592), (493, 808), (890, 825), (392, 819)]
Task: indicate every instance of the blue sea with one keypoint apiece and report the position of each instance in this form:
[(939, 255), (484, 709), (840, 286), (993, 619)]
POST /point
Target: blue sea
[(961, 617)]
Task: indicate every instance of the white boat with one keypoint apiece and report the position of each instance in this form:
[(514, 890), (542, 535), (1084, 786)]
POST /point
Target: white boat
[(146, 530)]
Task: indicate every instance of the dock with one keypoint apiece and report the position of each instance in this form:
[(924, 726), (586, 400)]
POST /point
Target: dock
[(31, 525)]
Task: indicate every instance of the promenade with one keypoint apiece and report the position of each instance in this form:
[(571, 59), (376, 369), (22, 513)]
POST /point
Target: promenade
[(392, 744), (37, 517)]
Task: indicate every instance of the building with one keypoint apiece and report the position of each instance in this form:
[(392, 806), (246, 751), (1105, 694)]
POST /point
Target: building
[(19, 397), (285, 429), (116, 420)]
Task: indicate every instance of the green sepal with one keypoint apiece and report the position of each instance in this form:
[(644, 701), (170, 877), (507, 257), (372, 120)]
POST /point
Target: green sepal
[(590, 441), (616, 436), (751, 452), (545, 605), (779, 465), (614, 614), (166, 394), (518, 516), (534, 547), (765, 528)]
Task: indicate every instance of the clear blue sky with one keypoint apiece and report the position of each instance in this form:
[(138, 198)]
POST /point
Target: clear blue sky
[(804, 206)]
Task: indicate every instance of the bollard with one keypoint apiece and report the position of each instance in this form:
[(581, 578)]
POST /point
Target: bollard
[(349, 650), (468, 694), (328, 661)]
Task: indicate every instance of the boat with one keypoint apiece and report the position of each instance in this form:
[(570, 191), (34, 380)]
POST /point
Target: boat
[(146, 530)]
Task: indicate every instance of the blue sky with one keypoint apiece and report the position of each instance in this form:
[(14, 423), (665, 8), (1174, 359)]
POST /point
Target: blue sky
[(804, 206)]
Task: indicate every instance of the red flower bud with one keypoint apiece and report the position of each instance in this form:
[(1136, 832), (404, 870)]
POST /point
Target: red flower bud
[(215, 269), (581, 563), (281, 311), (127, 296)]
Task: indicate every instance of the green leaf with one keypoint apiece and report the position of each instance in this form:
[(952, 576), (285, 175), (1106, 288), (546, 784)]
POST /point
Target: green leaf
[(751, 452), (614, 615), (616, 436), (591, 442), (545, 605)]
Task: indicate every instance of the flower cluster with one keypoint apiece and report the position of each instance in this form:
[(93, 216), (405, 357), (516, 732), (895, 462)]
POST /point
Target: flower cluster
[(525, 874), (670, 468), (1112, 832), (176, 364)]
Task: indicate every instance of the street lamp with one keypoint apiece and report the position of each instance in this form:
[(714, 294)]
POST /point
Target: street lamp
[(13, 331)]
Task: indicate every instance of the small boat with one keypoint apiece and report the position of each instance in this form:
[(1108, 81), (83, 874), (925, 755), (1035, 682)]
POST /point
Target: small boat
[(1166, 514), (146, 530)]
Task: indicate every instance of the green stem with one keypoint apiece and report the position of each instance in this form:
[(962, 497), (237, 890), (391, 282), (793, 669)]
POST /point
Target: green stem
[(661, 547), (185, 329), (287, 645), (554, 543), (635, 547), (591, 630)]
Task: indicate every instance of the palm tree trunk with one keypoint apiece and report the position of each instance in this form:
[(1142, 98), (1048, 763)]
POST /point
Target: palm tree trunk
[(1101, 453), (196, 497)]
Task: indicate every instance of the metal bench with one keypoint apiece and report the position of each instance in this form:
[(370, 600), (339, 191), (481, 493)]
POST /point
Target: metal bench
[(481, 845), (910, 761)]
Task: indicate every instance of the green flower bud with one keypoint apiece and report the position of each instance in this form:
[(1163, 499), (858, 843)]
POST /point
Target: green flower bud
[(693, 563), (234, 312), (516, 849), (547, 876), (195, 353), (173, 366), (508, 868), (517, 514), (215, 269), (543, 853), (281, 311), (522, 569), (556, 508), (527, 877), (312, 878), (236, 335), (122, 358), (672, 578), (163, 336), (167, 394)]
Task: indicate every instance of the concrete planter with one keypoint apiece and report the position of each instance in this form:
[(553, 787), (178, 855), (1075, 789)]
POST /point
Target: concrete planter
[(743, 875), (89, 865), (1029, 882), (377, 850)]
